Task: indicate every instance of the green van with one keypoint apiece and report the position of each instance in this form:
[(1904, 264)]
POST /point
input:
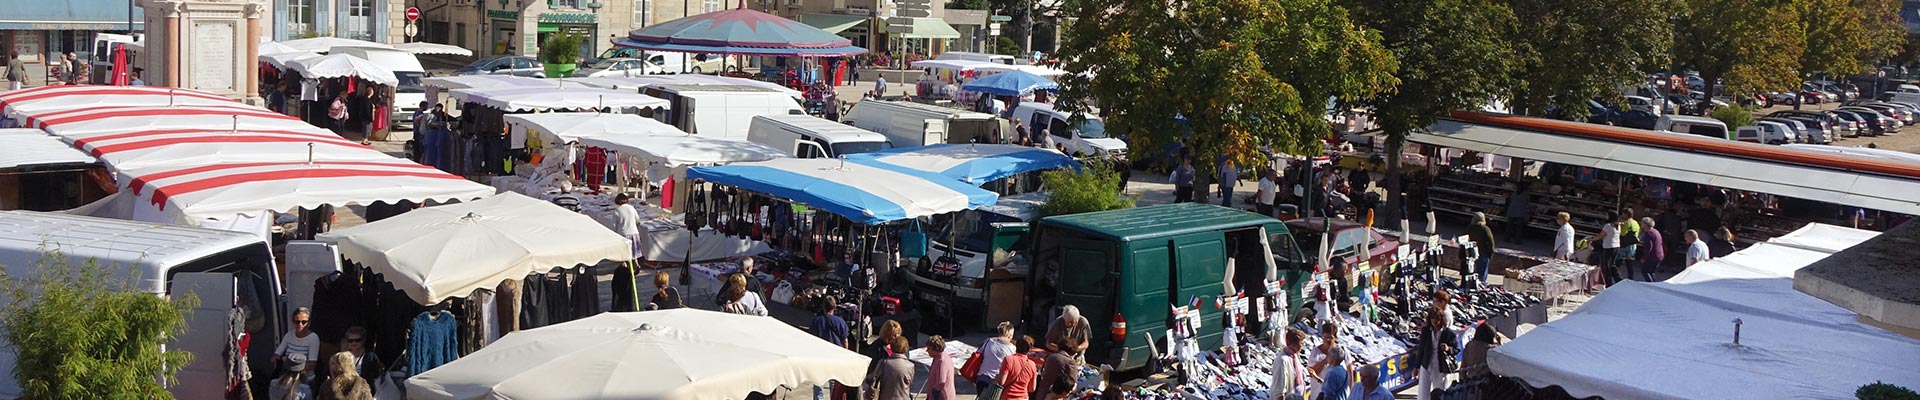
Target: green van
[(1126, 269)]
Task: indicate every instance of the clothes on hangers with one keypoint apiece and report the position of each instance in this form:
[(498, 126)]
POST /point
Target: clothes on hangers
[(434, 341), (586, 292), (507, 303), (533, 302), (625, 292), (559, 298), (473, 321)]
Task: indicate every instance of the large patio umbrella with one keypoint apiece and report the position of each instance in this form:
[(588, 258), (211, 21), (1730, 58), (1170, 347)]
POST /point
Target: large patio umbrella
[(326, 44), (1011, 83), (343, 65), (678, 354), (740, 31)]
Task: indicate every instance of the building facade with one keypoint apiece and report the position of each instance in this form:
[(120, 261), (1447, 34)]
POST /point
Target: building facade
[(369, 20), (41, 29), (517, 27)]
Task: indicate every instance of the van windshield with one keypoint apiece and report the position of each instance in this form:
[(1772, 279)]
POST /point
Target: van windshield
[(859, 147), (409, 82), (973, 229), (1092, 128)]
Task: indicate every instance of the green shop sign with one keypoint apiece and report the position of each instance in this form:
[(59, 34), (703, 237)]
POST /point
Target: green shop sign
[(503, 14), (568, 18)]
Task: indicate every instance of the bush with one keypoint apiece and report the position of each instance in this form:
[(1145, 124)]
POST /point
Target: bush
[(1734, 116), (81, 335), (560, 49), (1006, 45), (1094, 188), (1885, 391)]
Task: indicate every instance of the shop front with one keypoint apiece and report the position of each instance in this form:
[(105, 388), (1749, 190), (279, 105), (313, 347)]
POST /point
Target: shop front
[(580, 25), (504, 33)]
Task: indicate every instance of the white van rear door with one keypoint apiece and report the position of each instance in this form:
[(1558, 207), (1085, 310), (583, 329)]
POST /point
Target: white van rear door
[(206, 336), (307, 261), (935, 132)]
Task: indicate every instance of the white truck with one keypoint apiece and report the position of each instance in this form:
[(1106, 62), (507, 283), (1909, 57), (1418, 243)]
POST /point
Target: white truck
[(909, 124), (224, 269), (977, 275), (721, 110), (104, 47), (1087, 138), (406, 66), (805, 136)]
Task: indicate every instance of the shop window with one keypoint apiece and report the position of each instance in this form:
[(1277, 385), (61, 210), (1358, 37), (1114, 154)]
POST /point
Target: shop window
[(299, 17), (360, 19), (707, 6)]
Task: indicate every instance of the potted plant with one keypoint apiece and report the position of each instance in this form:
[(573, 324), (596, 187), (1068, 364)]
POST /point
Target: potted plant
[(560, 53)]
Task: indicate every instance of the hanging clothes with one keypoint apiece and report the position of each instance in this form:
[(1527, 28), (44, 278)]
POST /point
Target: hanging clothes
[(434, 341), (473, 321), (625, 293), (533, 302), (559, 298), (586, 293), (595, 167), (337, 304), (507, 299), (392, 318)]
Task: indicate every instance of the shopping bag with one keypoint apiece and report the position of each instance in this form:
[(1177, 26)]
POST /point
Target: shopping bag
[(913, 242)]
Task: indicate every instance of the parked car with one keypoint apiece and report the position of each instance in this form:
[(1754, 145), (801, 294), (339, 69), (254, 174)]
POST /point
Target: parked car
[(1640, 103), (1596, 113), (1800, 129), (505, 65), (1889, 123), (1347, 238), (1815, 126), (1786, 133), (1890, 112), (1855, 124), (616, 52), (1873, 121), (1787, 98), (1637, 119), (612, 67)]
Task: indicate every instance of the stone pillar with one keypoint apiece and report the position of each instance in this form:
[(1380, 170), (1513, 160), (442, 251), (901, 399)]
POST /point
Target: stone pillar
[(210, 45), (254, 12)]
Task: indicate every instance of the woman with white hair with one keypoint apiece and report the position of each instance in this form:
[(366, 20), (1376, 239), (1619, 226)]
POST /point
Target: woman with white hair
[(1337, 380)]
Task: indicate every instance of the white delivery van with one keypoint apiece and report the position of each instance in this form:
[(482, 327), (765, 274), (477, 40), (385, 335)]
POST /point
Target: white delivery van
[(406, 66), (1691, 125), (1085, 139), (101, 58), (909, 124), (221, 268), (962, 282), (721, 110), (806, 136), (971, 56)]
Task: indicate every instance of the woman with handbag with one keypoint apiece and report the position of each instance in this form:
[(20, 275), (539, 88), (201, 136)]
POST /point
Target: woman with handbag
[(986, 363), (1435, 350)]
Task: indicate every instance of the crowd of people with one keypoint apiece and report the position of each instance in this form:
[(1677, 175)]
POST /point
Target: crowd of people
[(348, 374)]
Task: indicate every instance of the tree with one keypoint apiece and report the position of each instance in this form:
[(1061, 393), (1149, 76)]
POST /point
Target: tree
[(1453, 54), (1573, 51), (1225, 79), (1752, 45), (1095, 188), (1734, 115), (1005, 45), (1886, 32), (79, 334), (968, 5), (1836, 37)]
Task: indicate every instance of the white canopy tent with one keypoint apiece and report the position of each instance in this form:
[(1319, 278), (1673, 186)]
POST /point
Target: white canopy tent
[(183, 194), (956, 65), (32, 147), (326, 44), (272, 47), (50, 99), (1674, 339), (1032, 69), (637, 82), (684, 149), (679, 354), (434, 253), (79, 123), (556, 98), (149, 149), (341, 66), (483, 82), (562, 128), (433, 48), (280, 60)]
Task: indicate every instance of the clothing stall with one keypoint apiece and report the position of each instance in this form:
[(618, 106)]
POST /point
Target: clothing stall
[(479, 143)]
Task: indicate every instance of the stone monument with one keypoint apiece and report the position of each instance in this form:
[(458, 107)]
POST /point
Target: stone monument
[(208, 45)]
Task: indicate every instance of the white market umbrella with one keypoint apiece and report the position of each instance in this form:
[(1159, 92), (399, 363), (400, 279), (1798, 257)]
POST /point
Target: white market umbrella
[(447, 251), (344, 65), (326, 44), (432, 48), (483, 82), (267, 48), (684, 149), (679, 354), (280, 60)]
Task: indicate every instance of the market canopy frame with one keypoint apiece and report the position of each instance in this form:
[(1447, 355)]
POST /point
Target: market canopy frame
[(1011, 83)]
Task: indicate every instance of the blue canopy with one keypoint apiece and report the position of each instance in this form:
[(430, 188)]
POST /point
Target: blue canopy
[(1011, 83), (865, 193), (971, 163)]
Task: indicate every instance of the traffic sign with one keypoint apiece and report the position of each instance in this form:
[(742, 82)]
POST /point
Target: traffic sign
[(412, 30), (413, 13), (999, 18)]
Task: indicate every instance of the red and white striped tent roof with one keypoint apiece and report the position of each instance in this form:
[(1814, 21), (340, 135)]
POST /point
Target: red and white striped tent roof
[(249, 188), (21, 103), (73, 123), (177, 147)]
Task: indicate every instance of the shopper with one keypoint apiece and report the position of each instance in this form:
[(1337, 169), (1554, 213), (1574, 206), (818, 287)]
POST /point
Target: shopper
[(1482, 237), (882, 347), (1519, 209), (1370, 385), (1722, 243), (366, 363), (301, 340), (992, 352), (1182, 180), (1609, 249), (940, 370), (1289, 375), (1629, 239), (1329, 340), (1059, 369), (1653, 249), (1434, 345), (1697, 250), (891, 378), (337, 113), (16, 71), (626, 220), (1263, 196), (740, 300), (1070, 332), (1563, 236), (828, 327), (344, 383), (1473, 359), (665, 297), (1017, 372), (753, 281), (1337, 382), (1229, 177), (288, 386)]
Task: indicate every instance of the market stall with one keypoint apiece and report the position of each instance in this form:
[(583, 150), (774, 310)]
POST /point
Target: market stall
[(481, 143), (45, 99), (681, 354), (971, 163), (642, 81), (433, 48), (1731, 327), (524, 99), (174, 147)]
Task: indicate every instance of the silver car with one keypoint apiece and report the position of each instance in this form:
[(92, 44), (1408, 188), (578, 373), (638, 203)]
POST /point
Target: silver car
[(505, 65)]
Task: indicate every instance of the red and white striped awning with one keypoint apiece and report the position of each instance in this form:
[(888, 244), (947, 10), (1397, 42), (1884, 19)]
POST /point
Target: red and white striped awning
[(248, 188), (75, 123), (46, 99), (177, 147)]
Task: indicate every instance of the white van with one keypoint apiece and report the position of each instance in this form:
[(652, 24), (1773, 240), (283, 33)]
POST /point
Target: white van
[(163, 260), (406, 66), (669, 62), (805, 136), (1086, 139), (982, 57), (104, 45), (1691, 125), (721, 110), (960, 281), (1639, 103), (909, 124)]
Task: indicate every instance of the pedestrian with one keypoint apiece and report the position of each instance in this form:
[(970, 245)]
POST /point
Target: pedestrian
[(1370, 384), (67, 68), (1609, 249), (1563, 236), (1482, 237), (16, 71), (367, 364), (1697, 250), (1329, 340), (880, 348), (1653, 249), (892, 377), (753, 281), (134, 78), (277, 97), (1060, 368), (828, 327), (1629, 238), (626, 221), (994, 350), (1229, 177), (1070, 332), (420, 115), (288, 385), (301, 340), (1289, 375), (665, 296), (344, 383), (1017, 372), (1020, 132), (742, 301), (879, 87), (1473, 359), (940, 370), (1182, 180), (1335, 379), (337, 113), (1435, 343), (1722, 243), (1519, 211), (1266, 190)]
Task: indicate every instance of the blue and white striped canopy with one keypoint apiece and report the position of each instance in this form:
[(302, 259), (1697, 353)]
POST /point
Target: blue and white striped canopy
[(865, 193), (971, 163)]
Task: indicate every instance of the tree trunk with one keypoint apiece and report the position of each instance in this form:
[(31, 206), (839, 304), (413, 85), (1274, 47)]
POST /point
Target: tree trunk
[(1394, 211)]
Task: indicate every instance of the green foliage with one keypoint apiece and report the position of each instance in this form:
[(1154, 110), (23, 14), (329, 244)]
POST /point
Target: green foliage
[(1454, 54), (968, 5), (1006, 45), (560, 48), (1095, 188), (1572, 51), (80, 334), (1836, 37), (1886, 32), (1243, 73), (1885, 391), (1734, 116), (1755, 46)]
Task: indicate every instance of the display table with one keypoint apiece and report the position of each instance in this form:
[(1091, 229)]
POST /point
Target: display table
[(956, 351), (1552, 279)]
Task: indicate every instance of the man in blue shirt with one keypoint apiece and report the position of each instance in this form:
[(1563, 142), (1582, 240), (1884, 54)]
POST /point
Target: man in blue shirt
[(1370, 385), (1337, 383), (830, 328)]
